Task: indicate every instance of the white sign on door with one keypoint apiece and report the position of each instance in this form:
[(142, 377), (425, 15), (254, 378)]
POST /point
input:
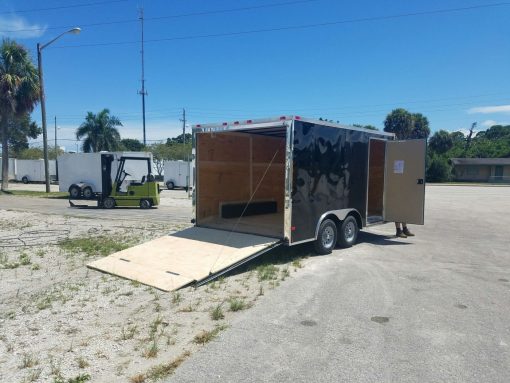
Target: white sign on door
[(398, 167)]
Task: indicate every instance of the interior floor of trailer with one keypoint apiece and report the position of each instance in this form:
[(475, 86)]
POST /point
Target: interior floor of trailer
[(270, 225)]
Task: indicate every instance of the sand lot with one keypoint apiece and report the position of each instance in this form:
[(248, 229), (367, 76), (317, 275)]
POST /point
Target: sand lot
[(62, 322)]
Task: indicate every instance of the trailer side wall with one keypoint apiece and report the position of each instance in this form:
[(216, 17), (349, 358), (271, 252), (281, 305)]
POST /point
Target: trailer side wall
[(329, 173)]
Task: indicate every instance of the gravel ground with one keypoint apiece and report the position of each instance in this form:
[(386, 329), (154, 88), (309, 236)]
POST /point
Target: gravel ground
[(60, 320)]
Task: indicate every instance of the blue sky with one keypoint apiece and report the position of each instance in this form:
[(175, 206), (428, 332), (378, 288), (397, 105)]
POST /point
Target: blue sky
[(451, 66)]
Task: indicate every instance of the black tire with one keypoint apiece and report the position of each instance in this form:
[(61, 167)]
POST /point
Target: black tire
[(109, 203), (170, 185), (348, 232), (145, 203), (24, 180), (74, 191), (326, 237), (88, 193)]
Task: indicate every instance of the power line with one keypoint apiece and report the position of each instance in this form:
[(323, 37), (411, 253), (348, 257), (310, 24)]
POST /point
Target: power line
[(295, 27), (192, 14), (63, 7)]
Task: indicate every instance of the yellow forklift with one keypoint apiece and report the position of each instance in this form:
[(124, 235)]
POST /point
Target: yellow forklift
[(126, 190)]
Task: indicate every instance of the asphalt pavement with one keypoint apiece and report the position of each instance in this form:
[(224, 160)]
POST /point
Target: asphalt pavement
[(431, 308), (175, 207)]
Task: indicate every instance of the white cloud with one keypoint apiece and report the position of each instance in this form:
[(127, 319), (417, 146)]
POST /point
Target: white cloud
[(490, 109), (17, 27), (489, 123)]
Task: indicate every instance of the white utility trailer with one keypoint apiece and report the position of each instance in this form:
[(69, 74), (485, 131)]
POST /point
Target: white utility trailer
[(33, 170), (177, 174), (81, 174)]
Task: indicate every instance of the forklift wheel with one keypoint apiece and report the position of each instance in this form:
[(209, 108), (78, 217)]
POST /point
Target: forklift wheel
[(108, 203), (145, 204), (25, 179), (170, 185), (87, 193), (74, 191)]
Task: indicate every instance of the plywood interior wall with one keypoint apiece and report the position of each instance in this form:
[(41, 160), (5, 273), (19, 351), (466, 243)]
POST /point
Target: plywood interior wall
[(376, 178), (231, 165)]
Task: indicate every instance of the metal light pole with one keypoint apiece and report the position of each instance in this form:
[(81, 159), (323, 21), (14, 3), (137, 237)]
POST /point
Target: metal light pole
[(40, 47)]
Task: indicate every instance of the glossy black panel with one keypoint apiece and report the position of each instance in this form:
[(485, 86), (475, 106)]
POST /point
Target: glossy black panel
[(330, 173)]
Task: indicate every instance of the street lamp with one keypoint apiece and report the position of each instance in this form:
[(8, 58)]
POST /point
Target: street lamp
[(40, 47)]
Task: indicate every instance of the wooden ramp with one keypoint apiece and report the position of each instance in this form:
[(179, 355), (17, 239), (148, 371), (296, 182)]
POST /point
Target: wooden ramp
[(188, 256)]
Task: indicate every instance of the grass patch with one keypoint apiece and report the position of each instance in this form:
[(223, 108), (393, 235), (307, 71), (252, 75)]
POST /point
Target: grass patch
[(82, 362), (161, 371), (236, 304), (176, 298), (206, 336), (152, 351), (267, 272), (128, 332), (5, 263), (34, 193), (82, 378), (28, 360), (217, 313), (91, 246)]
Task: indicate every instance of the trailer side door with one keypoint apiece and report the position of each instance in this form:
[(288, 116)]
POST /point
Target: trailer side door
[(404, 186)]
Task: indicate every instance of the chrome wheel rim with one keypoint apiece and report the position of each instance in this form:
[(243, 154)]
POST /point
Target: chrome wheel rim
[(349, 231), (328, 237)]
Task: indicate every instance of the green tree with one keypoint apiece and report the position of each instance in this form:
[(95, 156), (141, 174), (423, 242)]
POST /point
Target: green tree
[(20, 129), (178, 139), (160, 154), (438, 169), (19, 92), (131, 145), (407, 125), (440, 142), (100, 132)]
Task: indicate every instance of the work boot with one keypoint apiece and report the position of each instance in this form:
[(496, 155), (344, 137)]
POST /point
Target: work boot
[(400, 234), (407, 232)]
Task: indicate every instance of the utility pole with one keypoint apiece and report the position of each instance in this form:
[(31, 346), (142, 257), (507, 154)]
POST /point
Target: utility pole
[(56, 150), (143, 92)]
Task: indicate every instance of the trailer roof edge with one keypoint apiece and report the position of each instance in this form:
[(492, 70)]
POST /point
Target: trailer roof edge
[(278, 121)]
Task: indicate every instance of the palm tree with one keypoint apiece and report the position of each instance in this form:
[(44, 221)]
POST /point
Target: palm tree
[(100, 132), (19, 92)]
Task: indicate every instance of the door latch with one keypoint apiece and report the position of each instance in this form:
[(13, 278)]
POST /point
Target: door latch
[(420, 181)]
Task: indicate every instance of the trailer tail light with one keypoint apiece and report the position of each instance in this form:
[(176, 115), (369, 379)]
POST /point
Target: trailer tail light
[(282, 118), (293, 228), (236, 122), (198, 125), (224, 124), (249, 121), (297, 117)]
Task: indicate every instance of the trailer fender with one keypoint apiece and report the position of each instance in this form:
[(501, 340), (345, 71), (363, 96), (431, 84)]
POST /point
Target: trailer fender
[(338, 216)]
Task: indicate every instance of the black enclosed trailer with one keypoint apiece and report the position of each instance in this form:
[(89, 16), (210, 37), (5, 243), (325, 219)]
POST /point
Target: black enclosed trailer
[(302, 180), (289, 180)]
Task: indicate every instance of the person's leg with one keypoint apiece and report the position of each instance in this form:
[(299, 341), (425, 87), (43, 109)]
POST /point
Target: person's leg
[(400, 232), (406, 231)]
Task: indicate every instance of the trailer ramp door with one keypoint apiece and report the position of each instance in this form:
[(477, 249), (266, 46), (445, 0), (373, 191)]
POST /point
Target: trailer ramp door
[(404, 181), (191, 255)]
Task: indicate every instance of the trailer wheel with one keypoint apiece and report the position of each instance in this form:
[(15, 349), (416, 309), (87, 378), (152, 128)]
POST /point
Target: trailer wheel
[(348, 232), (108, 203), (145, 204), (170, 185), (24, 180), (74, 191), (87, 193), (326, 238)]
